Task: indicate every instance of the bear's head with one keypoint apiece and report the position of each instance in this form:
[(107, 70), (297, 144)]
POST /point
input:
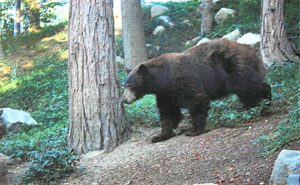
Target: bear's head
[(136, 84)]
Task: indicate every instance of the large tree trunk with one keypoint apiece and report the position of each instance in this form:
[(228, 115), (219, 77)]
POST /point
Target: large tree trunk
[(275, 46), (206, 17), (97, 120), (18, 18), (133, 33)]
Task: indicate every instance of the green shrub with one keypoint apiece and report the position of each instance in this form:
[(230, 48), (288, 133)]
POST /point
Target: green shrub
[(50, 165), (143, 111), (285, 87), (20, 145), (43, 91)]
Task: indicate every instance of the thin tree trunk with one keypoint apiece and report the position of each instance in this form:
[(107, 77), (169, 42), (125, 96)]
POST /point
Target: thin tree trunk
[(206, 17), (275, 46), (18, 18), (133, 33), (97, 120)]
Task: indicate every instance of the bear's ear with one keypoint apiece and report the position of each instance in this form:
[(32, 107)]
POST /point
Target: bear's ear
[(143, 69)]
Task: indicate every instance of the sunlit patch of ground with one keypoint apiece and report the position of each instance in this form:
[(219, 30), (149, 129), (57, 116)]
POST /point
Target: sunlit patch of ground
[(22, 59)]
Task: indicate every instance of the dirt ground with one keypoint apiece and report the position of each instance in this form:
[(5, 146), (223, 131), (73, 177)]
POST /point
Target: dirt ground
[(222, 156)]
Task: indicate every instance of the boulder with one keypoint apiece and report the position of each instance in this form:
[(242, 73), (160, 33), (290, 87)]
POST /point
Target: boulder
[(223, 14), (215, 2), (287, 162), (249, 39), (158, 10), (120, 60), (14, 120), (166, 21), (234, 35), (294, 179), (203, 41), (193, 41), (159, 30)]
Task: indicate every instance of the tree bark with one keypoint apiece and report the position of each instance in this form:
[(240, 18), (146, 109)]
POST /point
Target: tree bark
[(133, 33), (206, 17), (96, 114), (275, 46), (18, 18)]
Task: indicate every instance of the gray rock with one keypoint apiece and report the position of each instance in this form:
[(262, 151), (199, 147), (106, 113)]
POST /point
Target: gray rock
[(234, 35), (187, 22), (120, 60), (206, 184), (294, 179), (158, 10), (159, 30), (203, 41), (166, 21), (223, 14), (14, 119), (249, 39), (215, 2), (196, 39), (287, 162)]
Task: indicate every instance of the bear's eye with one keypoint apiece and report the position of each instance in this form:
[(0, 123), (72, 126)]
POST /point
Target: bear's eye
[(128, 85)]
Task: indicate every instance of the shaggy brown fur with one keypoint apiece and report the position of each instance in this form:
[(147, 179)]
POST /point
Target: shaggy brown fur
[(193, 78)]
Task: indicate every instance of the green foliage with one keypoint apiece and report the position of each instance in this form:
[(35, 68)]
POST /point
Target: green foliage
[(11, 44), (47, 166), (20, 146), (226, 112), (286, 88), (143, 111), (119, 46), (43, 91)]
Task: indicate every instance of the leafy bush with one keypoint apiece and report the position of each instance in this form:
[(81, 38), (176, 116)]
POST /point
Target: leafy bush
[(143, 111), (43, 91), (50, 165), (286, 88), (20, 146), (226, 112)]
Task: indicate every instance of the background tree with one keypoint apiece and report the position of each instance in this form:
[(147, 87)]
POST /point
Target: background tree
[(97, 120), (18, 18), (275, 46), (206, 17), (133, 33)]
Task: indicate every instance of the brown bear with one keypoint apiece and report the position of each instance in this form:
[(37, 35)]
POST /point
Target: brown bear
[(195, 77)]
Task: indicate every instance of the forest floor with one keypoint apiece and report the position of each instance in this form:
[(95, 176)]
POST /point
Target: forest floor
[(222, 156)]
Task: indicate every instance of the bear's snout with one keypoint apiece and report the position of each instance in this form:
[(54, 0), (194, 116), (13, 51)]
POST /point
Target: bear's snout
[(128, 96)]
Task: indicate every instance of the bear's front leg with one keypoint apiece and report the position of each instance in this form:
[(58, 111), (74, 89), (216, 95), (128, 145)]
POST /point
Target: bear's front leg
[(166, 131), (170, 116)]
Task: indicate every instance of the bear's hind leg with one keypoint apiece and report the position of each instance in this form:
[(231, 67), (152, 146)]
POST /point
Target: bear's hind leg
[(199, 112), (170, 117)]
